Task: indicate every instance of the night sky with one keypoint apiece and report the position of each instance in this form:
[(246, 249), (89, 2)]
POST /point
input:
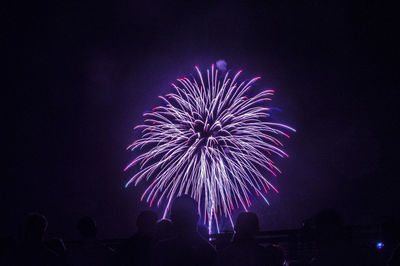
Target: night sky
[(78, 77)]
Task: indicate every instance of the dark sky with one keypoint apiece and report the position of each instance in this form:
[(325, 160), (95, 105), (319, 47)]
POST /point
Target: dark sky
[(79, 75)]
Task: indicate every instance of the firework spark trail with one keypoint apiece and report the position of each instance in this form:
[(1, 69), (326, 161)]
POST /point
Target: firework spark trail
[(209, 141)]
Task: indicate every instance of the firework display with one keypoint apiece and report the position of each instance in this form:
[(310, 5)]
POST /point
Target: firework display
[(210, 141)]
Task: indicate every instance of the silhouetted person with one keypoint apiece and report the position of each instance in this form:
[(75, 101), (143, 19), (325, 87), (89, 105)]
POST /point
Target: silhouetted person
[(33, 251), (274, 255), (334, 247), (138, 249), (244, 250), (187, 247), (57, 246), (164, 230), (91, 251)]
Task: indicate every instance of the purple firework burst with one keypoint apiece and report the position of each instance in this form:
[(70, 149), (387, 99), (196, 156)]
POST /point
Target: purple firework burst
[(209, 141)]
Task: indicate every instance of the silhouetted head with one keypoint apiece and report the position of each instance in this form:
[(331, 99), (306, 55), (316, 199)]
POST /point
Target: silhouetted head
[(87, 227), (146, 222), (164, 229), (35, 227), (184, 214), (246, 225)]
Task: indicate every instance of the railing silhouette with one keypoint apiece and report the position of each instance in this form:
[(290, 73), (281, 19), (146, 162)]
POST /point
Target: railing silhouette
[(296, 243), (301, 243)]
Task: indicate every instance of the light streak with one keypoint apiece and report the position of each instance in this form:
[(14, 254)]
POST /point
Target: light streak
[(209, 141)]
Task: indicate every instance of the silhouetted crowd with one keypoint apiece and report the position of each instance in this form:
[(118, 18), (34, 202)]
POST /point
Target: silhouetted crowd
[(179, 241)]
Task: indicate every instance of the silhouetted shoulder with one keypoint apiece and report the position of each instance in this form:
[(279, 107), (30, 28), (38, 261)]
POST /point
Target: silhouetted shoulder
[(250, 254), (187, 247), (91, 253), (193, 250), (33, 251), (137, 250), (244, 250), (33, 255), (90, 250)]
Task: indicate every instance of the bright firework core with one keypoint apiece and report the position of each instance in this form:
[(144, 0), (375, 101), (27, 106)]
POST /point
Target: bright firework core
[(209, 141)]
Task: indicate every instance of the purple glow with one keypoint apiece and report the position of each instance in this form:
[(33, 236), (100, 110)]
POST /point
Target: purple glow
[(209, 141)]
